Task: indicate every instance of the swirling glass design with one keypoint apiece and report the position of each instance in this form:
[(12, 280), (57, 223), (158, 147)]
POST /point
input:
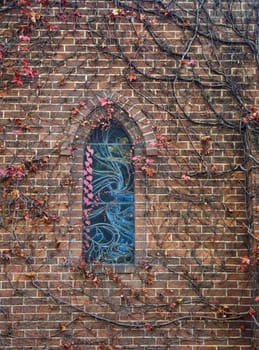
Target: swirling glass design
[(110, 206)]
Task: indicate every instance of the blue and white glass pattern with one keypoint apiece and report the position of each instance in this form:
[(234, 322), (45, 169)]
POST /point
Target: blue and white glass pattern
[(110, 229)]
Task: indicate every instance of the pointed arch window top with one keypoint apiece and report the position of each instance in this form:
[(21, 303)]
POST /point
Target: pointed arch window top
[(108, 196)]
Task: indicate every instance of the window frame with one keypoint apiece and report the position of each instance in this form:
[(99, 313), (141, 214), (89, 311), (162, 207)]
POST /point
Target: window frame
[(140, 140)]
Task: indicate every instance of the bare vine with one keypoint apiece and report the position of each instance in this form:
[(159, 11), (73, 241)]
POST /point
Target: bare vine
[(196, 83)]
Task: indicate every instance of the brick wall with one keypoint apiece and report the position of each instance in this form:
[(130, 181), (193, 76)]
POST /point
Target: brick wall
[(183, 80)]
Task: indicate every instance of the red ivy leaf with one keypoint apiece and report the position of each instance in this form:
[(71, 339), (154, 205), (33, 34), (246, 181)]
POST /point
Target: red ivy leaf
[(2, 172), (17, 79), (148, 170), (148, 326), (17, 131), (75, 110), (96, 282), (251, 311), (29, 72), (89, 150), (105, 102), (185, 177), (52, 27), (172, 305), (192, 62), (53, 216), (24, 37), (76, 13), (245, 260)]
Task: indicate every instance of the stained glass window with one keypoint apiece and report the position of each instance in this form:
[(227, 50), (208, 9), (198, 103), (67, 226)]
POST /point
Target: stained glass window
[(108, 196)]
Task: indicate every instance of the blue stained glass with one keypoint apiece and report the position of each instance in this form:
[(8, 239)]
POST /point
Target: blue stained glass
[(109, 196)]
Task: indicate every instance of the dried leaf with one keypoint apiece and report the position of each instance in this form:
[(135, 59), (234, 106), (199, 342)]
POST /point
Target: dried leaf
[(35, 16), (179, 300), (30, 274), (62, 327), (132, 76)]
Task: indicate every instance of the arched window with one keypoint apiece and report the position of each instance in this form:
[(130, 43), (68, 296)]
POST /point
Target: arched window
[(108, 196)]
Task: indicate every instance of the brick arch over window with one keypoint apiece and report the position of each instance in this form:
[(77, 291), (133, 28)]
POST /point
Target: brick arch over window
[(136, 122), (81, 134)]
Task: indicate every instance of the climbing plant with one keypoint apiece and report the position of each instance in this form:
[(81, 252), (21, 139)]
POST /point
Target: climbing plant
[(191, 70)]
